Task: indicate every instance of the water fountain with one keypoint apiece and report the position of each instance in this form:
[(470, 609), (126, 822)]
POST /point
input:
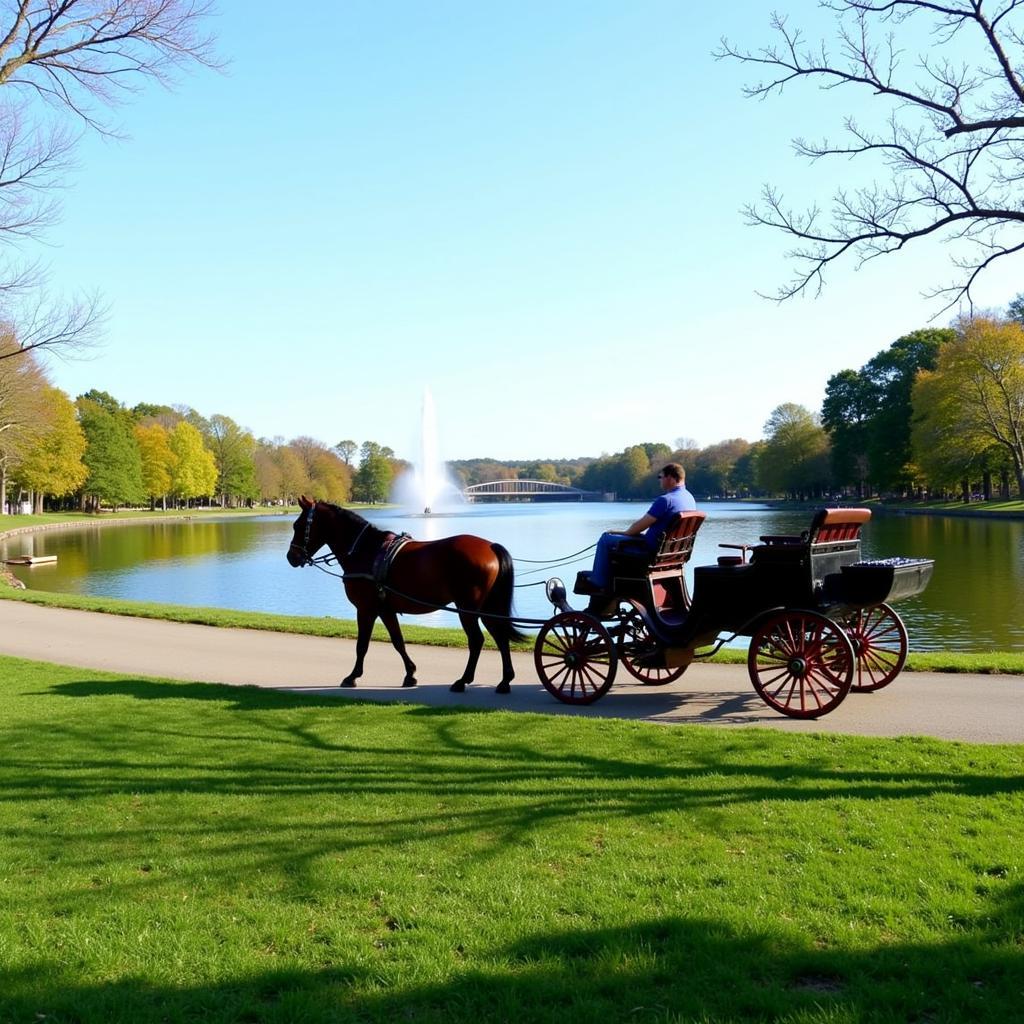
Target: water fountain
[(429, 488)]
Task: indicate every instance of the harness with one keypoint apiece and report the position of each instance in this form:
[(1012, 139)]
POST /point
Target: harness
[(380, 567), (380, 561)]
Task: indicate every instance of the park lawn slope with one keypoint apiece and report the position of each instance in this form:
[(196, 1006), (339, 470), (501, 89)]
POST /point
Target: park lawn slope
[(188, 852)]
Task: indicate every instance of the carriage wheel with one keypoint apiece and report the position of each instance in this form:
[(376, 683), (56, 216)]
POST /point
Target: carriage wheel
[(801, 663), (634, 644), (575, 658), (880, 646)]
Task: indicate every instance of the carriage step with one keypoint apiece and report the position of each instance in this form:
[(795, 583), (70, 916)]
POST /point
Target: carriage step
[(584, 584)]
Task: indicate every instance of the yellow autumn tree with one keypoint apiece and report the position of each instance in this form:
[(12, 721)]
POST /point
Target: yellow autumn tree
[(975, 394), (51, 464), (158, 461), (195, 471)]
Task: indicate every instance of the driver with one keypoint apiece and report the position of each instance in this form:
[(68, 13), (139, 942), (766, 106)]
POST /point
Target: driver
[(642, 536)]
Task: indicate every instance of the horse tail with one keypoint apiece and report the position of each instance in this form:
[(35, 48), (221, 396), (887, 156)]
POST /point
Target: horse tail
[(499, 601)]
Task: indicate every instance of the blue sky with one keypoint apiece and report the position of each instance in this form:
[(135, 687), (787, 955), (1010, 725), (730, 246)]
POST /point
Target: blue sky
[(532, 209)]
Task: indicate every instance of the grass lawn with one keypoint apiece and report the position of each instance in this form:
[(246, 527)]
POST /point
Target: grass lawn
[(182, 852)]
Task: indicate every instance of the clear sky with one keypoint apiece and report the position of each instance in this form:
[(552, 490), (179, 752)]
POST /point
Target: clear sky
[(530, 208)]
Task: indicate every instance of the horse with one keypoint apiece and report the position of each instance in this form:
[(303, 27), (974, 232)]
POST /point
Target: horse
[(385, 575)]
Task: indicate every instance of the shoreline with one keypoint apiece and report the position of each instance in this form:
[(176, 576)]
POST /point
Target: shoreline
[(12, 588)]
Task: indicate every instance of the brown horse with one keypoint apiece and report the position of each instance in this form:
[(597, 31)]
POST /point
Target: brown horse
[(385, 575)]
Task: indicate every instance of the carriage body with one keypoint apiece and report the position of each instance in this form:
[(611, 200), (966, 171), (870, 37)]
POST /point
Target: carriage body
[(818, 615)]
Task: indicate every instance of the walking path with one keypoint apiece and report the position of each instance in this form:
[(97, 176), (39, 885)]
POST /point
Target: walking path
[(973, 708)]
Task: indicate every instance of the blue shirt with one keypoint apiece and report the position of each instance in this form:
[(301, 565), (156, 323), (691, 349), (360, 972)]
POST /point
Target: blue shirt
[(663, 508)]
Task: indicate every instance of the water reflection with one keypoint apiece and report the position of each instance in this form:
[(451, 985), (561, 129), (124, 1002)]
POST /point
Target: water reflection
[(975, 600)]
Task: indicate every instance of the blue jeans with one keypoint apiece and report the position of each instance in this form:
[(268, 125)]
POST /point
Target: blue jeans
[(601, 574)]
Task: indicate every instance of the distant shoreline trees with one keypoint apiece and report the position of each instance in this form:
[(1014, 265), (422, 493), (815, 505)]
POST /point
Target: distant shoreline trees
[(938, 412)]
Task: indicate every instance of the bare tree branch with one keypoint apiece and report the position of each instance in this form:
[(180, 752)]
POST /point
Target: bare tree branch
[(82, 57), (72, 52), (951, 150), (52, 325)]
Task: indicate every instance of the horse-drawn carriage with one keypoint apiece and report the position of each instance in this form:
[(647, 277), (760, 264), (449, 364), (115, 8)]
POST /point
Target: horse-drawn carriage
[(819, 617)]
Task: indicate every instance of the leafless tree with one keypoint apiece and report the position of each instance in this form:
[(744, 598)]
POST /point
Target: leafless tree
[(947, 76), (52, 325), (76, 52), (80, 57)]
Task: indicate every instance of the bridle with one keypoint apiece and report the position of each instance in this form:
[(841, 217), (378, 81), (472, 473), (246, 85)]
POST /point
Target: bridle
[(308, 559)]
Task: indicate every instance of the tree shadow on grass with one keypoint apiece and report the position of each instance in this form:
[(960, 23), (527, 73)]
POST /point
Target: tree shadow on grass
[(443, 773), (670, 969)]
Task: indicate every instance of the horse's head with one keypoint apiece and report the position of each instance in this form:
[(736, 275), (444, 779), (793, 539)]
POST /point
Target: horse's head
[(308, 535)]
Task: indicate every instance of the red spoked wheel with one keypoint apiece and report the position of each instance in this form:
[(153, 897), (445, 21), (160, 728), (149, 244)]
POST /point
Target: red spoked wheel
[(880, 646), (635, 645), (801, 663), (575, 658)]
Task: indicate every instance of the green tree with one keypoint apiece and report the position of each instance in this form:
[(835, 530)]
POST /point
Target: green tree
[(1015, 310), (233, 449), (195, 471), (111, 456), (794, 457), (372, 482), (890, 378), (850, 402), (713, 470), (52, 463), (346, 451)]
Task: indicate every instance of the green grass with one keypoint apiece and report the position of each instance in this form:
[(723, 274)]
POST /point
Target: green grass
[(175, 852)]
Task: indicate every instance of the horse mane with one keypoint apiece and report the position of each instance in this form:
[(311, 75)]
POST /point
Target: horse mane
[(351, 523)]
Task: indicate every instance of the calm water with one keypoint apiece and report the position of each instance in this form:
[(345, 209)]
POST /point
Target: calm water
[(974, 602)]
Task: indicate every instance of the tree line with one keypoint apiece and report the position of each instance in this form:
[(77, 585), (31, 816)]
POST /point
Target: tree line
[(95, 452), (938, 412)]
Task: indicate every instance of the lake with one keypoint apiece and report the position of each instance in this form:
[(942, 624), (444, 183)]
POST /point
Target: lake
[(975, 600)]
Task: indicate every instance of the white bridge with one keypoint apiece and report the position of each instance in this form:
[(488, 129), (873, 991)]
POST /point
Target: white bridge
[(529, 490)]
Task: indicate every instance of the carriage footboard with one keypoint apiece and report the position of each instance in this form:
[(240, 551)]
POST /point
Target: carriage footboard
[(885, 579)]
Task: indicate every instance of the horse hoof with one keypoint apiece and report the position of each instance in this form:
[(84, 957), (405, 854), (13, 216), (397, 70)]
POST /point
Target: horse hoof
[(348, 683), (503, 688), (408, 682), (457, 687)]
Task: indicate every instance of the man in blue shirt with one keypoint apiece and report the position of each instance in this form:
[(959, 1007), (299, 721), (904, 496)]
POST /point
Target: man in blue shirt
[(642, 536)]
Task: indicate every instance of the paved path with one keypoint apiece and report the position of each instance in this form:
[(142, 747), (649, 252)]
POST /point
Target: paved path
[(978, 709)]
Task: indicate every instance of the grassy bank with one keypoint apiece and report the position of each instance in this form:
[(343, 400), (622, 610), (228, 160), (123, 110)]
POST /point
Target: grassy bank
[(181, 852)]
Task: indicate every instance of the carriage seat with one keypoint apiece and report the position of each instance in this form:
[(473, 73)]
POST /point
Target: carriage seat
[(673, 551), (830, 526)]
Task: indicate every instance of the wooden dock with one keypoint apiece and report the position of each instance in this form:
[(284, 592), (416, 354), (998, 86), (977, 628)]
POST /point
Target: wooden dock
[(32, 560)]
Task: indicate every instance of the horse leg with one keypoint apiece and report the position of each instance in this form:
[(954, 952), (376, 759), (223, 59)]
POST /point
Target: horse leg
[(507, 671), (364, 621), (471, 625), (390, 620)]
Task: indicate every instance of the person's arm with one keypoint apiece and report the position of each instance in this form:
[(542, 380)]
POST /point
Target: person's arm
[(639, 526)]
